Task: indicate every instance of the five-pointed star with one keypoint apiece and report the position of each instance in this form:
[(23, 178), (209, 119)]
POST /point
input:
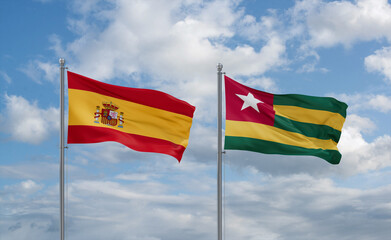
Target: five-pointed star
[(249, 101)]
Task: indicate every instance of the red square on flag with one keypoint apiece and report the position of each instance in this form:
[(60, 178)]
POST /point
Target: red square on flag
[(247, 104)]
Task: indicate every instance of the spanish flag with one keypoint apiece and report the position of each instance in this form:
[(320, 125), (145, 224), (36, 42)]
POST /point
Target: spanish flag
[(289, 124), (142, 119)]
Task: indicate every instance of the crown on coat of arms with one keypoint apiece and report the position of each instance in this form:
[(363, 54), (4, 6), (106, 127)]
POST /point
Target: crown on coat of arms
[(110, 106)]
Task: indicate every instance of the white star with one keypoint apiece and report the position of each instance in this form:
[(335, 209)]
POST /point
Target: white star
[(249, 101)]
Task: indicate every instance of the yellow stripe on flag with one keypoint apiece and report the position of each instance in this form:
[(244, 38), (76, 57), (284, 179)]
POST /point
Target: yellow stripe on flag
[(334, 120), (270, 133), (138, 119)]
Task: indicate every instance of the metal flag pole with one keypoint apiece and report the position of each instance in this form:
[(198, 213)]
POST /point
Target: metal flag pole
[(219, 153), (62, 218)]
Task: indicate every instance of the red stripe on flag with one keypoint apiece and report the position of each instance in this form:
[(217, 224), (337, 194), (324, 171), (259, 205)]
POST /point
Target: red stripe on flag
[(234, 104), (90, 134), (146, 97)]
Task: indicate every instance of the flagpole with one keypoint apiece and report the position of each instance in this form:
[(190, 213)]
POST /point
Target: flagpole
[(219, 153), (62, 218)]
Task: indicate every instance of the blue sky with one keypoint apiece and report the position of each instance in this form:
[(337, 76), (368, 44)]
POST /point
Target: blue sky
[(322, 48)]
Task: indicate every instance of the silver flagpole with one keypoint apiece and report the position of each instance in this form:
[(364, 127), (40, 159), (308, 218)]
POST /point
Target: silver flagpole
[(219, 153), (62, 218)]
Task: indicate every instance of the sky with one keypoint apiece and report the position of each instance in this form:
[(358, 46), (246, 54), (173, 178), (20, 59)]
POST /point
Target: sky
[(340, 49)]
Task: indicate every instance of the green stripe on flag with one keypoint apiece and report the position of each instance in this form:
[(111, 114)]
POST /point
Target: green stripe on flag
[(262, 146), (307, 129), (311, 102)]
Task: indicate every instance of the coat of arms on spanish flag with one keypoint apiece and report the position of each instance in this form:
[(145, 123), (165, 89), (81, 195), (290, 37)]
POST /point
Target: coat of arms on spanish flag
[(142, 119)]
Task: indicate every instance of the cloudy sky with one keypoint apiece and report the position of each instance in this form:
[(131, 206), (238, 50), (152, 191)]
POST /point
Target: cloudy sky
[(314, 47)]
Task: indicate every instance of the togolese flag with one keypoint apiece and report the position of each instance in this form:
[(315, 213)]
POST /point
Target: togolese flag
[(288, 124), (141, 119)]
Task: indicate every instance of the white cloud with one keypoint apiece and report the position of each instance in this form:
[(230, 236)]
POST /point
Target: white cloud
[(24, 188), (319, 23), (360, 156), (244, 60), (381, 103), (311, 67), (34, 171), (344, 22), (364, 102), (301, 207), (39, 71), (5, 76), (135, 176), (380, 62), (26, 122), (169, 45), (264, 29), (265, 83), (294, 206)]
